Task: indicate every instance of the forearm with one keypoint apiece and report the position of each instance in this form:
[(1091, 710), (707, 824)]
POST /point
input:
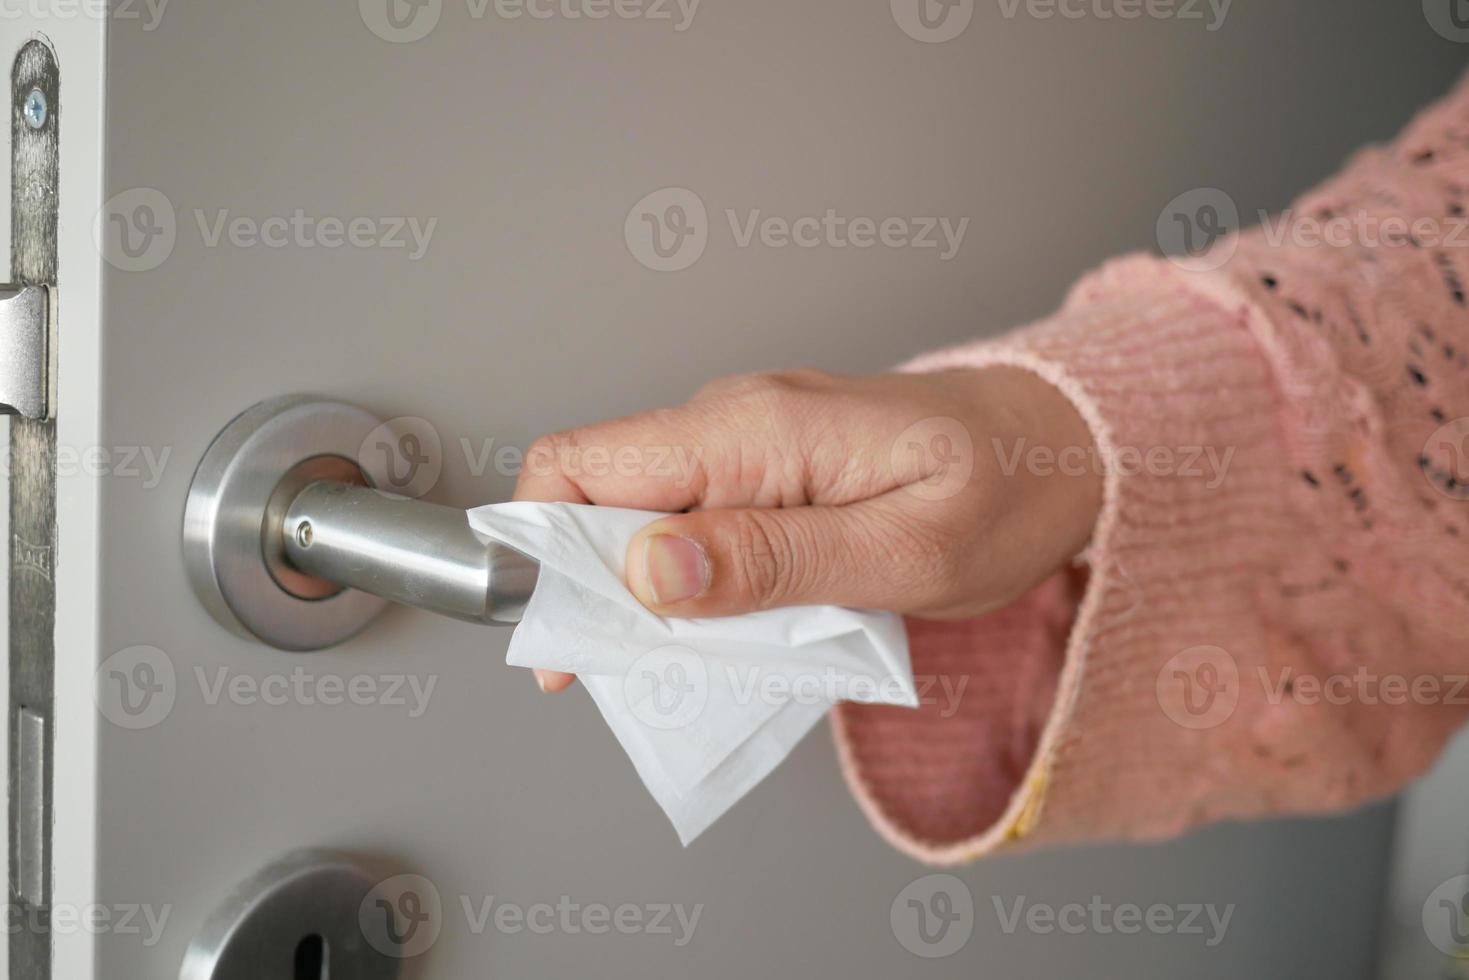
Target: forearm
[(1275, 508)]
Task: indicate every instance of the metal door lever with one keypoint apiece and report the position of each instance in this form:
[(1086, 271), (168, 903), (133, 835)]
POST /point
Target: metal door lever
[(287, 540), (412, 552)]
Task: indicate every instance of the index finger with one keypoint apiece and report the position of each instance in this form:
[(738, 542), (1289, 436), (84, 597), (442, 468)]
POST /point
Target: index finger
[(652, 461)]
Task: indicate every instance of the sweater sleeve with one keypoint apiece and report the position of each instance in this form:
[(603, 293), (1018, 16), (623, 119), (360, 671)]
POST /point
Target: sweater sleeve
[(1273, 614)]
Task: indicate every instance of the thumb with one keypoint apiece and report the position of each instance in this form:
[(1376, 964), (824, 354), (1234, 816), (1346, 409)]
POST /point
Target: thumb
[(727, 562)]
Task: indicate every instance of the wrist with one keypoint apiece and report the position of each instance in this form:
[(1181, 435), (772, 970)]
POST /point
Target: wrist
[(1044, 452)]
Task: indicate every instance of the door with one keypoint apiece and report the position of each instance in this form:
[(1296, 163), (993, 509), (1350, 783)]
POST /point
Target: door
[(430, 210)]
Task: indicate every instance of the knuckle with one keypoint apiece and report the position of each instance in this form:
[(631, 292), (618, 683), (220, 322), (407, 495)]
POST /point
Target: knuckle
[(718, 386), (762, 386), (539, 458), (548, 453), (802, 379), (731, 386), (779, 407), (770, 388)]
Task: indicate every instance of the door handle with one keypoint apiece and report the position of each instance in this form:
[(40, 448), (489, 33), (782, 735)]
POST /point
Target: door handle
[(406, 550), (287, 540)]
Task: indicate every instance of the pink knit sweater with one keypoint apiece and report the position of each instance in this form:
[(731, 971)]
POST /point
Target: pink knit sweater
[(1279, 627)]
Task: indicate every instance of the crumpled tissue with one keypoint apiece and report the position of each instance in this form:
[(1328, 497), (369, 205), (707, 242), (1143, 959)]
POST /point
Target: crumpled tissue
[(704, 708)]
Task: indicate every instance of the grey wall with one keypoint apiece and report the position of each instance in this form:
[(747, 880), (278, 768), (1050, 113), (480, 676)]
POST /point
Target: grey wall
[(529, 141)]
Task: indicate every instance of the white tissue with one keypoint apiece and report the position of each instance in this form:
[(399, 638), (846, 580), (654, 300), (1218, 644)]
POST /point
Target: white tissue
[(705, 708)]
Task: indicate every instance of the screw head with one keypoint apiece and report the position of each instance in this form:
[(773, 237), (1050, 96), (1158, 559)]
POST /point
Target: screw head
[(304, 534), (34, 109)]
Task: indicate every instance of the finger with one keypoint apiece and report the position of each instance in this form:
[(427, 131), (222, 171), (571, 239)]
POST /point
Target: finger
[(552, 681), (879, 553), (767, 440), (602, 464), (652, 461)]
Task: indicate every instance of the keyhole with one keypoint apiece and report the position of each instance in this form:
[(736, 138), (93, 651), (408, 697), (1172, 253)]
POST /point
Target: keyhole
[(311, 958)]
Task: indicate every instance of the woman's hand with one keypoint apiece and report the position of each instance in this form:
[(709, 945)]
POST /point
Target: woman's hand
[(941, 495)]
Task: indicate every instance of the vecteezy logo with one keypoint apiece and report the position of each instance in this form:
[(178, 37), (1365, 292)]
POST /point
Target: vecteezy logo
[(933, 458), (1199, 687), (1446, 917), (933, 917), (405, 453), (402, 916), (932, 21), (1196, 229), (135, 230), (1445, 459), (135, 688), (668, 230), (1450, 18), (667, 688), (400, 21)]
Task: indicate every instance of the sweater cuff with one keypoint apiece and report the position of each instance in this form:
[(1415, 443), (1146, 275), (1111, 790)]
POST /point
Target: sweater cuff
[(1073, 718)]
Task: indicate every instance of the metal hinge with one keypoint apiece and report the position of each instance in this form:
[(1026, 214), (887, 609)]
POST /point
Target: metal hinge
[(25, 351)]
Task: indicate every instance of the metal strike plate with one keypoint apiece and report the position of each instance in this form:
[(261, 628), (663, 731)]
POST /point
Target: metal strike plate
[(27, 390), (25, 351)]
